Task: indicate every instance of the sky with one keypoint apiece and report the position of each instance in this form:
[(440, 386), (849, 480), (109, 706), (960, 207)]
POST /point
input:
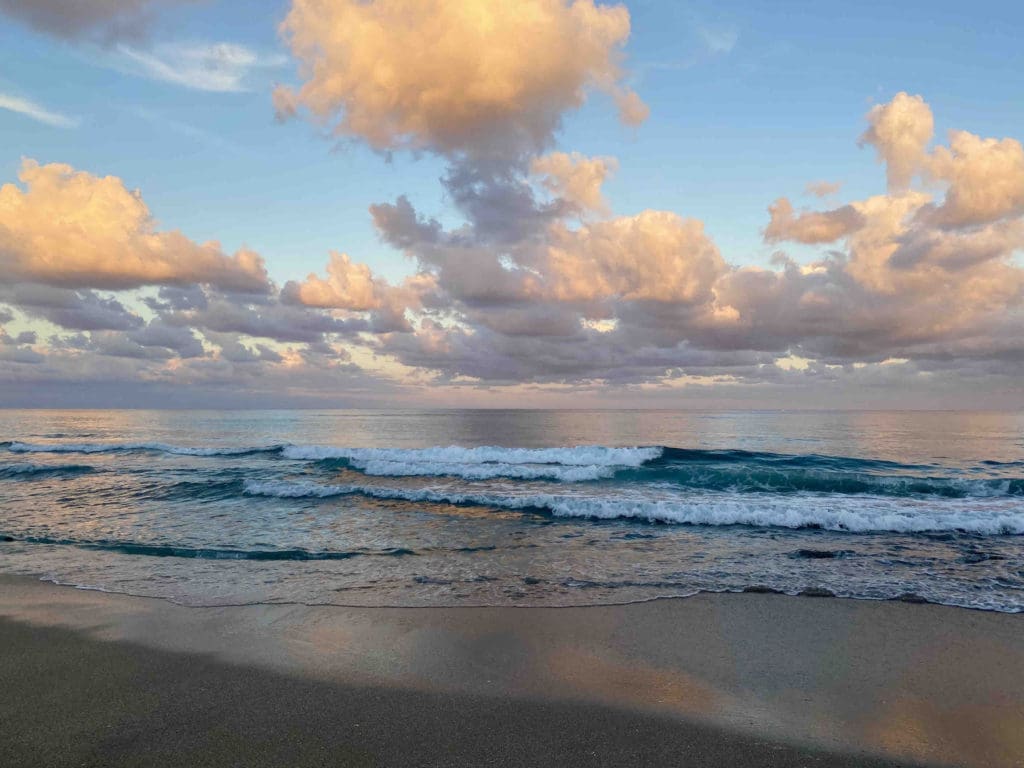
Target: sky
[(511, 203)]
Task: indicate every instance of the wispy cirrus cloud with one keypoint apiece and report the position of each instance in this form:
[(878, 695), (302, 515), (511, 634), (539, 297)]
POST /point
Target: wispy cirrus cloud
[(216, 67), (36, 112)]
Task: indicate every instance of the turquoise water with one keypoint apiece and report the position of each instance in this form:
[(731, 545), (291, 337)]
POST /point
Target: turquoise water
[(515, 507)]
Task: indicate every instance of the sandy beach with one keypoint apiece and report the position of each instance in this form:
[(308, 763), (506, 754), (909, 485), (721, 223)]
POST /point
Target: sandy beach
[(749, 679)]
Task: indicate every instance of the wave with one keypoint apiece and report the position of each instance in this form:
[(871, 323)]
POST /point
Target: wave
[(27, 471), (801, 460), (557, 472), (735, 471), (853, 514), (20, 447), (713, 470), (760, 479), (205, 553), (583, 455)]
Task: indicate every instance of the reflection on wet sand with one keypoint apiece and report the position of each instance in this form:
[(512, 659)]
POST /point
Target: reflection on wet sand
[(926, 683)]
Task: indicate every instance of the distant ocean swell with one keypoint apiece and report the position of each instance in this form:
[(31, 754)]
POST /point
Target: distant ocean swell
[(29, 471)]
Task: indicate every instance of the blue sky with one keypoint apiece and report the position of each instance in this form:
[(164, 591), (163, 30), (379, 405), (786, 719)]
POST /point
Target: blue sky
[(777, 105)]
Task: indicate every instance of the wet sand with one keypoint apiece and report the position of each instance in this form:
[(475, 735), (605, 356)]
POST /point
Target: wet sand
[(89, 678)]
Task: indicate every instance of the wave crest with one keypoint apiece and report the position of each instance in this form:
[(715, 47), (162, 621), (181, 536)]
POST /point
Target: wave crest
[(27, 471), (853, 515)]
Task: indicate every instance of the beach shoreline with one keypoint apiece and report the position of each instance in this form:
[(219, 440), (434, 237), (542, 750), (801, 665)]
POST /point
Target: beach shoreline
[(716, 679)]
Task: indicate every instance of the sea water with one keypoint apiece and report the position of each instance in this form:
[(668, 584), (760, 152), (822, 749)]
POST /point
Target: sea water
[(404, 508)]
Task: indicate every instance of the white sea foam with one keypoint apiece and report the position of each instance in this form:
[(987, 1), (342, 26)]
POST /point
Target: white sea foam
[(577, 464), (862, 514), (562, 473)]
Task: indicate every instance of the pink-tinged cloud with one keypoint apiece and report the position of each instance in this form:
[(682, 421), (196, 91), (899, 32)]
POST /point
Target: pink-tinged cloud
[(69, 228), (823, 188), (348, 286), (810, 227), (653, 256), (900, 131), (985, 178), (541, 284), (451, 76), (575, 178)]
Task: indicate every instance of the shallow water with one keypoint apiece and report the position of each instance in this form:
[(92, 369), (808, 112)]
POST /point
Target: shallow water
[(516, 507)]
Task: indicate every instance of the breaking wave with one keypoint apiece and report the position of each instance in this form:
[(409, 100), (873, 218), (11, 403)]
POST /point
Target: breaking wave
[(734, 471), (855, 515)]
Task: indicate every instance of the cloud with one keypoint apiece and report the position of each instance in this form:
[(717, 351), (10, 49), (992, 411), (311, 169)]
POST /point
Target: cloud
[(348, 286), (71, 309), (216, 67), (575, 178), (32, 110), (810, 226), (541, 288), (265, 319), (823, 188), (645, 297), (485, 79), (351, 287), (653, 256), (105, 20), (985, 178), (72, 229), (900, 131)]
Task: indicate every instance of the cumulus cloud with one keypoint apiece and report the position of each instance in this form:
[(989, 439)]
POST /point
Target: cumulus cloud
[(348, 286), (485, 78), (575, 178), (985, 178), (653, 256), (900, 131), (72, 229), (541, 284), (810, 226), (649, 296), (351, 287)]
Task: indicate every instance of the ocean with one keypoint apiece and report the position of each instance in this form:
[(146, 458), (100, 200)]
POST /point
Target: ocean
[(541, 508)]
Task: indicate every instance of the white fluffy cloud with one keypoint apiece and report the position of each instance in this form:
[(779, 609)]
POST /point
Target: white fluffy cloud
[(985, 178), (900, 131), (810, 227), (575, 178), (454, 76), (73, 229)]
